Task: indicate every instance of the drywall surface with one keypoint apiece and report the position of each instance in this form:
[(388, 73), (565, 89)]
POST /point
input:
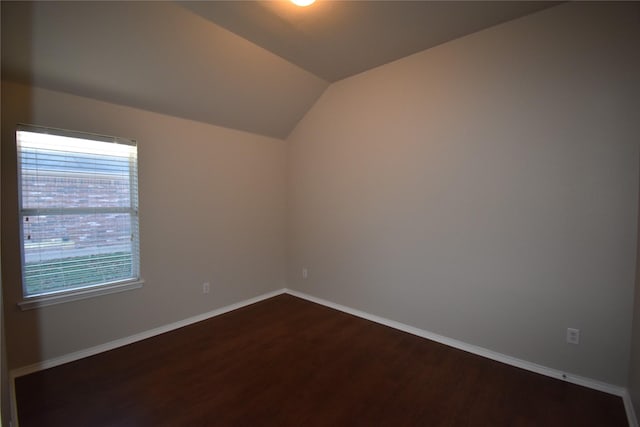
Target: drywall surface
[(5, 394), (634, 366), (161, 58), (485, 189), (211, 209)]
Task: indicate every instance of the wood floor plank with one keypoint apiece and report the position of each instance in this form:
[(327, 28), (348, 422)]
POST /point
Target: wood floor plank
[(290, 362)]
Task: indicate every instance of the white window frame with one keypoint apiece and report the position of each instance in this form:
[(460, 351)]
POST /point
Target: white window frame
[(92, 290)]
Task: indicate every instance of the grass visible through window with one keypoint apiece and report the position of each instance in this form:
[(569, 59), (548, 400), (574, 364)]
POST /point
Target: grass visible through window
[(68, 273)]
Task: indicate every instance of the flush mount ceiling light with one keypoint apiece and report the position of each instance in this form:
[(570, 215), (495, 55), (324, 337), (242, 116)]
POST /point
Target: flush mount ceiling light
[(303, 3)]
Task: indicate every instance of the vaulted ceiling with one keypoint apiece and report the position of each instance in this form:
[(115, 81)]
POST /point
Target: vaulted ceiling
[(248, 65)]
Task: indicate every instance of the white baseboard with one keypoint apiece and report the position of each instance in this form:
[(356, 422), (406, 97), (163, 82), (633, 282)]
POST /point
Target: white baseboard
[(480, 351), (56, 361), (77, 355), (489, 354)]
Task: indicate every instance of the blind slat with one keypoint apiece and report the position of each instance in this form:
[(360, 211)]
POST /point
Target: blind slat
[(78, 198)]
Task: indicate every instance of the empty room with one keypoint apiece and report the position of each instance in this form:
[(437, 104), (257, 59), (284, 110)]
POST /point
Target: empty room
[(334, 213)]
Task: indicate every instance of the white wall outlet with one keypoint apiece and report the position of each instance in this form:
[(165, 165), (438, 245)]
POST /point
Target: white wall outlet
[(305, 272), (573, 336), (206, 287)]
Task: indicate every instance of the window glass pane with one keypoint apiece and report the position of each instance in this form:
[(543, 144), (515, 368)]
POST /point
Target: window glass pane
[(53, 179), (78, 210)]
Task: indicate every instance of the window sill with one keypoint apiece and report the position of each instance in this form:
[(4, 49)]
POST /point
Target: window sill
[(46, 300)]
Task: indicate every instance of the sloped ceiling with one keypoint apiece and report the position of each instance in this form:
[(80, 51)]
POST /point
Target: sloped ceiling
[(337, 39), (156, 56), (252, 66)]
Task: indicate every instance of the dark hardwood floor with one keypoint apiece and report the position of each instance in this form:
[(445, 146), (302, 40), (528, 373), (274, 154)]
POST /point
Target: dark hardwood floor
[(289, 362)]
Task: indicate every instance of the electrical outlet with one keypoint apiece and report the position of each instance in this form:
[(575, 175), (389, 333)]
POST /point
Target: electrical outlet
[(573, 336), (305, 272), (206, 287)]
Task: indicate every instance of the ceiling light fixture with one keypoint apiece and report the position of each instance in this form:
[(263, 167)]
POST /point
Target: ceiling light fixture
[(303, 3)]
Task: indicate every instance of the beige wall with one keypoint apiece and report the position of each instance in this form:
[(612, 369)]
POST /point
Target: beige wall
[(211, 209), (5, 398), (206, 72), (485, 189), (634, 366)]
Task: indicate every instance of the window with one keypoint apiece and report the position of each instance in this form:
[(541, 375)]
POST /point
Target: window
[(78, 210)]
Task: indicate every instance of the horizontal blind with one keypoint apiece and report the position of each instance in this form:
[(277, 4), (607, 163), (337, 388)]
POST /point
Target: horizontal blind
[(79, 210)]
